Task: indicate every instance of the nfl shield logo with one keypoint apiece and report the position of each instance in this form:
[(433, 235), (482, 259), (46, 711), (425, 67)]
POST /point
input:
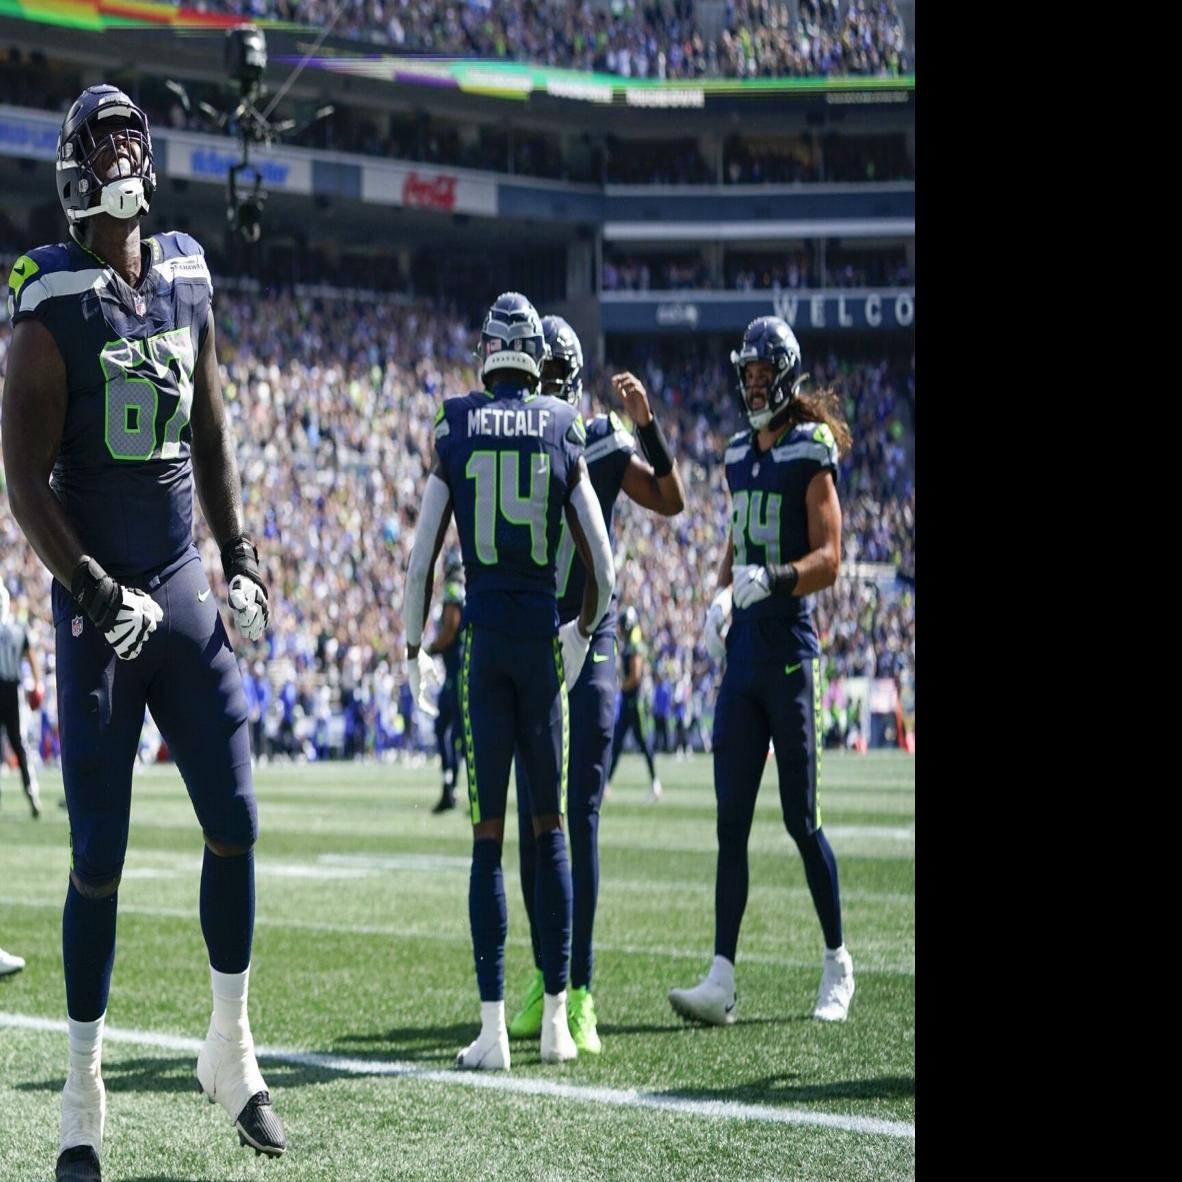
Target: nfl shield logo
[(76, 626), (140, 306)]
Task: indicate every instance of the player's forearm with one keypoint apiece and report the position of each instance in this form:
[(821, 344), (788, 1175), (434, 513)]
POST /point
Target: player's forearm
[(215, 473), (591, 540), (433, 518), (50, 532), (670, 490), (814, 572), (725, 575)]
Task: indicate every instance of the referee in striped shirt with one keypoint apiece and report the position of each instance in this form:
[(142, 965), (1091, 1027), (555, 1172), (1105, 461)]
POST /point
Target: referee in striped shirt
[(14, 645)]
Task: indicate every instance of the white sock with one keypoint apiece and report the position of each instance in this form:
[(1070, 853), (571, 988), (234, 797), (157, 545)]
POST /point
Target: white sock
[(230, 992), (86, 1047), (834, 953), (722, 972), (492, 1018)]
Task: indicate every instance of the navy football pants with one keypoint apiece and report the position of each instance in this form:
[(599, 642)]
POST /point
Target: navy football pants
[(188, 677), (592, 705), (758, 703)]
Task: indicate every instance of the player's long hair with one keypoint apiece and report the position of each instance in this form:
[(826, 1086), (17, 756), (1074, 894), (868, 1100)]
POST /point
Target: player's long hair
[(819, 406)]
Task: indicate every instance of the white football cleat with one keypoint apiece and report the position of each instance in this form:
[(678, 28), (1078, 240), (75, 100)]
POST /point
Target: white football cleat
[(84, 1113), (557, 1044), (490, 1052), (10, 963), (707, 1001), (656, 791), (229, 1074), (837, 986)]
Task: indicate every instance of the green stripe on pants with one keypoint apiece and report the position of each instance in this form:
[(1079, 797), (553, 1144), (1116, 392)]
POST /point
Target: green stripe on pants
[(466, 669), (817, 739), (561, 671)]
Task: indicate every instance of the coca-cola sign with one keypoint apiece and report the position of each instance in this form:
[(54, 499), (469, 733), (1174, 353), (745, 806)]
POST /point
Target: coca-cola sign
[(429, 192)]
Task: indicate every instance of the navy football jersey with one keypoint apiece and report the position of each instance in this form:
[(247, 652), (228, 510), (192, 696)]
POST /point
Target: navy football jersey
[(610, 447), (123, 470), (510, 459), (453, 592), (769, 526)]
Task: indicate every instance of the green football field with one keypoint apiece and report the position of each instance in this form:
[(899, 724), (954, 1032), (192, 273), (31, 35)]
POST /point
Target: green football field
[(363, 990)]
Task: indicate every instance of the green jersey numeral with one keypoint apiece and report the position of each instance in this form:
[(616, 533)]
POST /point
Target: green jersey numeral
[(756, 522), (138, 373), (504, 494)]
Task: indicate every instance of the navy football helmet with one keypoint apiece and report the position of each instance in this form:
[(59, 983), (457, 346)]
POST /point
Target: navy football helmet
[(768, 338), (104, 157), (512, 339), (561, 373)]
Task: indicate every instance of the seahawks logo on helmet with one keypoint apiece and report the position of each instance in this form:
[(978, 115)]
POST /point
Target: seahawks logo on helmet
[(768, 338), (562, 371), (512, 339), (104, 157)]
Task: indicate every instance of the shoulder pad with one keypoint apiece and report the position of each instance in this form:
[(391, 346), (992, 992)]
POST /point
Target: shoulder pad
[(49, 271), (576, 433), (442, 426), (179, 258), (737, 447), (607, 436), (808, 441)]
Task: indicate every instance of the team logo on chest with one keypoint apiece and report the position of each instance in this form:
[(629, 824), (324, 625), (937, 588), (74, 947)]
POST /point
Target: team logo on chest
[(141, 308)]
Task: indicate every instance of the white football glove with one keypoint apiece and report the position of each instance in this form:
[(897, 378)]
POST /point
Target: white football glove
[(718, 618), (574, 651), (424, 678), (248, 602), (138, 616), (751, 584)]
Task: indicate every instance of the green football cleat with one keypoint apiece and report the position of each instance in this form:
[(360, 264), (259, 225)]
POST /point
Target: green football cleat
[(581, 1013), (527, 1022)]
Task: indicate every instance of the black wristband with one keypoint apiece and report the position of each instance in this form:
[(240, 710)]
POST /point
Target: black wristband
[(782, 578), (655, 447), (96, 593), (239, 557)]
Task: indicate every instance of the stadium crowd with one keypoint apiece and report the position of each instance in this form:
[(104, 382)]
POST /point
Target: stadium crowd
[(332, 401), (35, 81), (646, 39)]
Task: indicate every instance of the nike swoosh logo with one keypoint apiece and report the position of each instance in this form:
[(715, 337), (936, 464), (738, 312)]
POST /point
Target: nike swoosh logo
[(792, 668), (202, 596), (598, 658)]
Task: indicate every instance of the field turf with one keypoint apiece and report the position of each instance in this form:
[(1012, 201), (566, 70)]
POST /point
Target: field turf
[(363, 989)]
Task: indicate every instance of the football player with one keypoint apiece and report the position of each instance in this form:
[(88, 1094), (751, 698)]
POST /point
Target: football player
[(509, 464), (15, 647), (784, 546), (632, 654), (449, 733), (613, 465), (113, 417)]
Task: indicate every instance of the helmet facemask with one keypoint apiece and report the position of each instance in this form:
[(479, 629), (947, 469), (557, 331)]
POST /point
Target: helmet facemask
[(109, 154)]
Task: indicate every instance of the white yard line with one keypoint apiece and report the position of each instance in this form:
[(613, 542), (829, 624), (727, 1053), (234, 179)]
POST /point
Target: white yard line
[(522, 1086)]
